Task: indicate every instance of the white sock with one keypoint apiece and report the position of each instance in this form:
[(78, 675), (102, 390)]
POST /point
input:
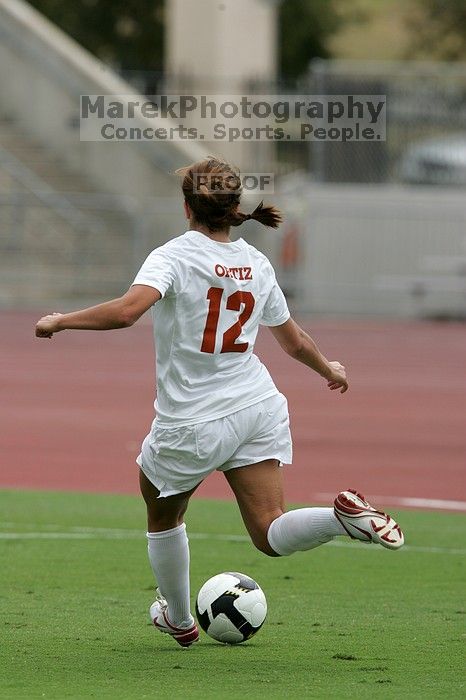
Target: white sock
[(303, 529), (169, 559)]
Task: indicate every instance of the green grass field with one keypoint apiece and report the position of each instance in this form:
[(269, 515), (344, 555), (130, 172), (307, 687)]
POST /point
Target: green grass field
[(345, 621)]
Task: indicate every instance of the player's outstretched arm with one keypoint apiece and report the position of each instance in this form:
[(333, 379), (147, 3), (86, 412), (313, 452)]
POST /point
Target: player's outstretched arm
[(299, 345), (118, 313)]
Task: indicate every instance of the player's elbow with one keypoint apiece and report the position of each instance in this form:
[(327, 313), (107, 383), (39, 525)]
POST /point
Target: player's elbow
[(127, 316), (294, 349), (127, 319), (290, 337), (291, 345), (294, 345)]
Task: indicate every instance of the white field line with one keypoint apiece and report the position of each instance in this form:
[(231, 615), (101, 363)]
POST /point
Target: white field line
[(402, 502), (102, 533)]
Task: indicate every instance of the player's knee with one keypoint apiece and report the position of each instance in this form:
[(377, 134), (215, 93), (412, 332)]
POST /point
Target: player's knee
[(261, 543), (265, 548), (258, 531), (160, 523)]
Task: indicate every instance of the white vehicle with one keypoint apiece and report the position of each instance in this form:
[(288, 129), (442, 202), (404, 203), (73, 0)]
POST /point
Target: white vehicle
[(436, 162)]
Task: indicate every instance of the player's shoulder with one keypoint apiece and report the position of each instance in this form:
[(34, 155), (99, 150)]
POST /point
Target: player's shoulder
[(173, 244), (260, 257), (173, 249), (255, 251)]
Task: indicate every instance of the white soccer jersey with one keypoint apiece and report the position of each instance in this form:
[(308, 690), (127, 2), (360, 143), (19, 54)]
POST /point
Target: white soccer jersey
[(214, 296)]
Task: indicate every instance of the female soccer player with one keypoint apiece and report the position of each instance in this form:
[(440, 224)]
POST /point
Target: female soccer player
[(217, 407)]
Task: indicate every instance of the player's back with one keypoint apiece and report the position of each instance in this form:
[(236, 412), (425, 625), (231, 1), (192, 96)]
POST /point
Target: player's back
[(214, 296)]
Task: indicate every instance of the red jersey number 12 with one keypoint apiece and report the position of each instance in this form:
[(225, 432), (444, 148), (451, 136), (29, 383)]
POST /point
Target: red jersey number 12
[(234, 303)]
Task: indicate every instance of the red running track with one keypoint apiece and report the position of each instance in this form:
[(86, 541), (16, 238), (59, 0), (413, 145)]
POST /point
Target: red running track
[(75, 409)]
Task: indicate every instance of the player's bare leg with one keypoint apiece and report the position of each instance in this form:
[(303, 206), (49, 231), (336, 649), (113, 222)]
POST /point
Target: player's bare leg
[(258, 490), (168, 550), (163, 513)]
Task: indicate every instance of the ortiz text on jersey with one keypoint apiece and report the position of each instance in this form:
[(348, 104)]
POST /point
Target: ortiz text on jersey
[(239, 273)]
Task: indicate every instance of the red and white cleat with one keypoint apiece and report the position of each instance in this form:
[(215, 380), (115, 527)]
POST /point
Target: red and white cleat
[(363, 522), (185, 636)]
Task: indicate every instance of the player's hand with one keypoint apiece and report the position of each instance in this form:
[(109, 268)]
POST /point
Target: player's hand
[(48, 325), (337, 378)]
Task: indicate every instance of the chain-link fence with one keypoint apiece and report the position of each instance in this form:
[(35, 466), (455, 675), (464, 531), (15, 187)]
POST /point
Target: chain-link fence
[(426, 102), (57, 241), (426, 120)]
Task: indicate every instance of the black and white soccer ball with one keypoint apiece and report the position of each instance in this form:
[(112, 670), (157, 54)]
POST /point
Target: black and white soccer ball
[(231, 607)]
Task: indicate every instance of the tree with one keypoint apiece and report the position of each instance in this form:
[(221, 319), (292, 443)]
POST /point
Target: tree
[(125, 33), (439, 29), (304, 27), (129, 33)]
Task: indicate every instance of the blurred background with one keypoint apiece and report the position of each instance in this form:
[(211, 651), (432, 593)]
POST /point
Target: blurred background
[(370, 228), (372, 257)]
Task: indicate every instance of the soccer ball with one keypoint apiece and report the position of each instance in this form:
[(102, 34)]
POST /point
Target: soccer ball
[(231, 607)]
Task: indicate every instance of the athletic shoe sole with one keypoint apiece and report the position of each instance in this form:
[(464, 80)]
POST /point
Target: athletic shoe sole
[(184, 636), (363, 522)]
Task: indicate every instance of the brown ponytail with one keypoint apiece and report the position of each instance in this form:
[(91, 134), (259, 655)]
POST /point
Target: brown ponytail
[(212, 189), (268, 216)]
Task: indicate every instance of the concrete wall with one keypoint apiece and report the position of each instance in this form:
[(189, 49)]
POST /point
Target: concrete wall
[(210, 39), (223, 48), (398, 251)]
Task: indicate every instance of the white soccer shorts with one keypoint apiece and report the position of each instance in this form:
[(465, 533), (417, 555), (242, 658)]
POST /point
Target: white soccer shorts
[(176, 460)]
